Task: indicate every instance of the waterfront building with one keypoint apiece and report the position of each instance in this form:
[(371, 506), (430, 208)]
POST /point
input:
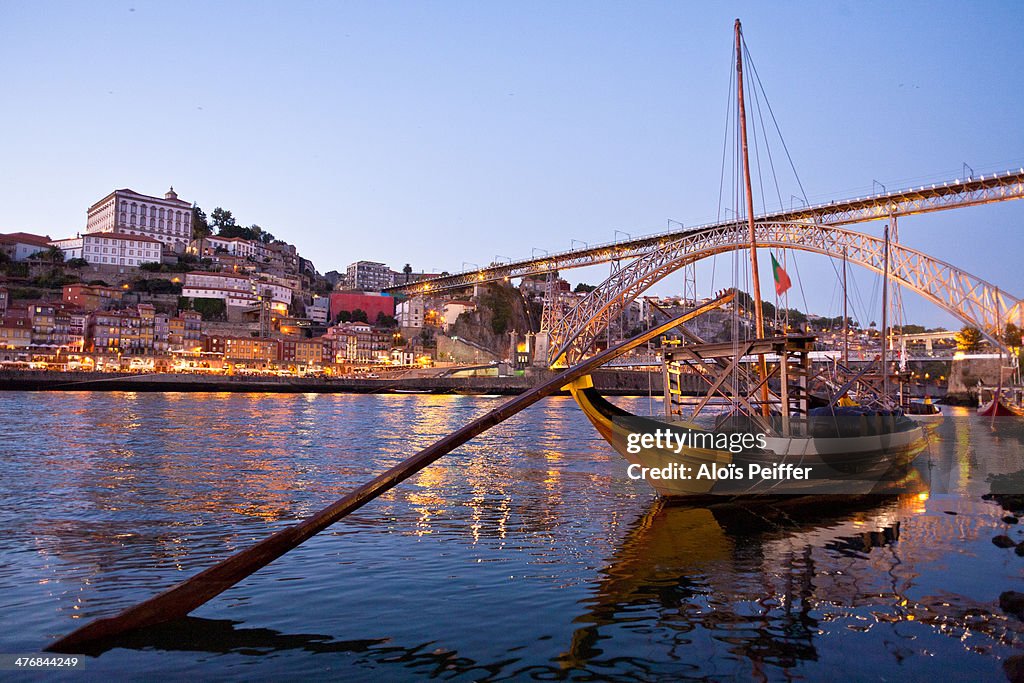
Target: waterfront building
[(167, 220), (78, 325), (20, 246), (103, 333), (360, 343), (4, 297), (15, 334), (111, 249), (403, 357), (184, 331), (43, 319), (368, 276), (128, 332), (302, 351), (333, 345), (254, 349)]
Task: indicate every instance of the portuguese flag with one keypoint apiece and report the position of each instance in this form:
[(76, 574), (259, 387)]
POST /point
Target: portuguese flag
[(782, 281)]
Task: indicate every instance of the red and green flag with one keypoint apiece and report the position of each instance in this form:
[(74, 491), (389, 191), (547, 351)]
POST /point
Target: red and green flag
[(782, 281)]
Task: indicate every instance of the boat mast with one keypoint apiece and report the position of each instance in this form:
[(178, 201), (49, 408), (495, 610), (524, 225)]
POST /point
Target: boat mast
[(885, 317), (755, 279), (846, 324)]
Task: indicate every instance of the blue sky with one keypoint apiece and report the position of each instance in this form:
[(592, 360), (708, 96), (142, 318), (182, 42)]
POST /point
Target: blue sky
[(443, 133)]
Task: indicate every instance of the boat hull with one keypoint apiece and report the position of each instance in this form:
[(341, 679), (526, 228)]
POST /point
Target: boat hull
[(871, 463), (997, 408)]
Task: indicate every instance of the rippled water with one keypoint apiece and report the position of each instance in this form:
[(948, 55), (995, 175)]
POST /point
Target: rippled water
[(527, 553)]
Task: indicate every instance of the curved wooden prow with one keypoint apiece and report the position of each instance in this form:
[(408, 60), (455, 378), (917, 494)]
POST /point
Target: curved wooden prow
[(181, 599)]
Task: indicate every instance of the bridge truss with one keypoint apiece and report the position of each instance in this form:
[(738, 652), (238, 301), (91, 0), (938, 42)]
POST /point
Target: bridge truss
[(971, 299), (814, 228)]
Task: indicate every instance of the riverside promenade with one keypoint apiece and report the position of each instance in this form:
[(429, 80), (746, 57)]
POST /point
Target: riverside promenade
[(616, 383)]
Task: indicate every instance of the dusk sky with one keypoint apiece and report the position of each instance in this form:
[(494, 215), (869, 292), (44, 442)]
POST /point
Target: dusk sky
[(444, 133)]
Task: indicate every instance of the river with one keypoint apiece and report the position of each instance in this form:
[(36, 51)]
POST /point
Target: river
[(526, 554)]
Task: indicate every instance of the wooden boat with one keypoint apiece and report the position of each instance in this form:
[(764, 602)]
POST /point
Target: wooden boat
[(998, 408), (802, 450), (925, 413), (804, 460)]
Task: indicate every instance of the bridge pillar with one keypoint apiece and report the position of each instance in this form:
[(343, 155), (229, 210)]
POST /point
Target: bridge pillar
[(541, 346)]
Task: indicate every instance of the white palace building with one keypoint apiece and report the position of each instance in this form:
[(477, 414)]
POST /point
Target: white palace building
[(168, 220), (126, 228)]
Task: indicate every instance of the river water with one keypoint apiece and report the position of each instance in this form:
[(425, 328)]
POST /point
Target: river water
[(526, 554)]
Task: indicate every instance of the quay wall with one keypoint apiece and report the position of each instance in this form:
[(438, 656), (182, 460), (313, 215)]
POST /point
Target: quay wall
[(618, 383)]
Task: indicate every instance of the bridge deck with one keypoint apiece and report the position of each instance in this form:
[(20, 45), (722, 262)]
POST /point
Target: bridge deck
[(915, 200)]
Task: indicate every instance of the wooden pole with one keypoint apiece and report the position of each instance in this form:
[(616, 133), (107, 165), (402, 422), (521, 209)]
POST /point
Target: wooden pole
[(885, 316), (181, 599), (846, 317), (762, 366)]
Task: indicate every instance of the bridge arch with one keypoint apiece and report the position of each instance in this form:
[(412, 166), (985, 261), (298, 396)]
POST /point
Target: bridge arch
[(972, 300)]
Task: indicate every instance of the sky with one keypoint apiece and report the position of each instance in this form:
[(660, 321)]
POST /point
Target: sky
[(446, 134)]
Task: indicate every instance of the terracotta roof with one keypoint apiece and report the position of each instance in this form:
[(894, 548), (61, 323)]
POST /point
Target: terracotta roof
[(122, 236), (26, 238), (203, 272), (239, 293), (110, 235)]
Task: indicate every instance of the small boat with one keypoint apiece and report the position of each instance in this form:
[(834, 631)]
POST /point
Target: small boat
[(924, 412), (998, 408)]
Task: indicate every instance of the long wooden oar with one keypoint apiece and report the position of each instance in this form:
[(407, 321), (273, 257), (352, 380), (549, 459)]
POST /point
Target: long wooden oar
[(178, 601)]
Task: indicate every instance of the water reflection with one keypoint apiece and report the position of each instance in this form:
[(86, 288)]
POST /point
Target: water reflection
[(527, 553), (768, 582)]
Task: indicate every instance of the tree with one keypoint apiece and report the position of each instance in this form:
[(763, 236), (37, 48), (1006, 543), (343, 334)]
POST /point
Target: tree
[(51, 254), (77, 263), (360, 316), (584, 288), (1012, 335), (200, 226), (343, 317), (222, 220), (385, 320), (968, 339)]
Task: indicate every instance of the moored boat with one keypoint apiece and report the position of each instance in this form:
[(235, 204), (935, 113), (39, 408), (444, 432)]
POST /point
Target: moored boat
[(817, 455), (998, 408)]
